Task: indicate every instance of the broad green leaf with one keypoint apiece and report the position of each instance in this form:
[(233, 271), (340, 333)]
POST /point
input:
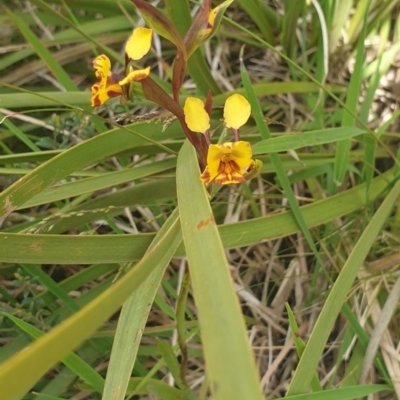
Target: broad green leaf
[(72, 249), (232, 374)]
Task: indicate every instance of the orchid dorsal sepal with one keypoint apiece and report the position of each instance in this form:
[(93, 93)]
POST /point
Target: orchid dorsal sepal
[(139, 43), (160, 23), (196, 117), (165, 28)]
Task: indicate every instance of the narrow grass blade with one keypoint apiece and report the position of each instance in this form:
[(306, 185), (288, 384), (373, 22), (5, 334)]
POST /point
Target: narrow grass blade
[(44, 53), (338, 295), (68, 249), (343, 148), (339, 13), (312, 138), (348, 393), (72, 361), (129, 332), (262, 15), (289, 24), (174, 367), (19, 134), (21, 371), (62, 165), (300, 345), (43, 99), (89, 185), (232, 373), (280, 171), (51, 285), (159, 388)]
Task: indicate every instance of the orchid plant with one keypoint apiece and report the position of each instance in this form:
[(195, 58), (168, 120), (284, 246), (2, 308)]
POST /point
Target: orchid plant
[(222, 164)]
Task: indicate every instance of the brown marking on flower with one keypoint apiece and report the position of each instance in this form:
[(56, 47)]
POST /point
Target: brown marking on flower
[(141, 75), (205, 177), (96, 101), (206, 222)]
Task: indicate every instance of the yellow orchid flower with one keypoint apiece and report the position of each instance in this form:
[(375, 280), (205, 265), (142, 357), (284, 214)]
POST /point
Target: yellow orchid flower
[(228, 163), (111, 84)]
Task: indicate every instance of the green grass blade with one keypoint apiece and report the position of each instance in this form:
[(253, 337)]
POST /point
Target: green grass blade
[(298, 140), (72, 361), (339, 13), (63, 249), (232, 374), (44, 53), (276, 161), (348, 393), (261, 17), (343, 148), (289, 25), (22, 370), (155, 386), (89, 185), (51, 285), (338, 295), (62, 165), (300, 345), (44, 99), (129, 331), (19, 134)]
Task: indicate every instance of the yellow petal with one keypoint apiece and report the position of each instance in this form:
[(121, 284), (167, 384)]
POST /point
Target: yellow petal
[(135, 76), (139, 43), (196, 116), (101, 92), (102, 65), (213, 160), (236, 111), (242, 149), (205, 177)]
